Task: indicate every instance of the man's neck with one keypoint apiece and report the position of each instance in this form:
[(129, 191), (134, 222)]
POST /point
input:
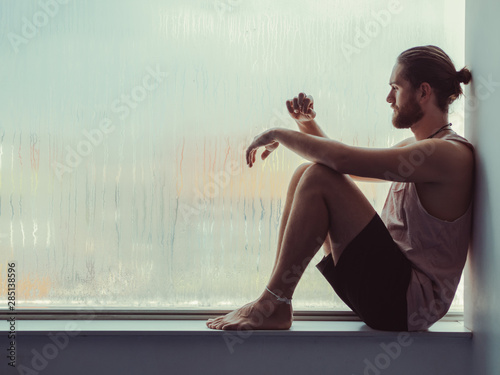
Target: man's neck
[(428, 125)]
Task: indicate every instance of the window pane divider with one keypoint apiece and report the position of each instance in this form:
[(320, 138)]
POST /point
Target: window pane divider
[(108, 314)]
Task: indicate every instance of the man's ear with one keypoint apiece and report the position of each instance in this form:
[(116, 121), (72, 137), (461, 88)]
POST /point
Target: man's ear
[(425, 92)]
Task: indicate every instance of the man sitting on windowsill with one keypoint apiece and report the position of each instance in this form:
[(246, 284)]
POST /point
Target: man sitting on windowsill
[(398, 271)]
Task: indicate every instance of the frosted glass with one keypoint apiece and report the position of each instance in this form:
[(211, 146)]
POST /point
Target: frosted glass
[(123, 124)]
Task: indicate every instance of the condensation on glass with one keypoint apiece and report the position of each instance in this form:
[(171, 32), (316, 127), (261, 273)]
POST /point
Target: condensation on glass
[(123, 128)]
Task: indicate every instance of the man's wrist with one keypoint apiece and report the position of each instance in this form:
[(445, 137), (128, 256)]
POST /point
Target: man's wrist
[(304, 122), (274, 133)]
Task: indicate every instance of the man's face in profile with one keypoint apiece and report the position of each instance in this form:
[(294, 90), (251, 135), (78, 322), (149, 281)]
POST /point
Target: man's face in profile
[(402, 97)]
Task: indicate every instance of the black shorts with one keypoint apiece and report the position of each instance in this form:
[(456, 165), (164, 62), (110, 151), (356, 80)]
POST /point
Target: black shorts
[(372, 277)]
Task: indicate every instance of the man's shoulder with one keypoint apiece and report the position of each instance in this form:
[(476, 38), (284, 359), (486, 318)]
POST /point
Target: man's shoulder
[(452, 137), (462, 151), (459, 140)]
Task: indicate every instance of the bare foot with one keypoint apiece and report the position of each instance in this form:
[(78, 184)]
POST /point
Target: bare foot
[(263, 313)]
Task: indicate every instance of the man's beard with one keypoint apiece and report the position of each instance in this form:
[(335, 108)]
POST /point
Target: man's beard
[(407, 115)]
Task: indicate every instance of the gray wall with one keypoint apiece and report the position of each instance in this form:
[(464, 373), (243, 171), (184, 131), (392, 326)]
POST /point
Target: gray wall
[(356, 353), (482, 54)]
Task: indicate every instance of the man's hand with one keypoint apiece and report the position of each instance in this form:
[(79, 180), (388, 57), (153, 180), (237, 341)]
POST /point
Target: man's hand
[(301, 108), (266, 140)]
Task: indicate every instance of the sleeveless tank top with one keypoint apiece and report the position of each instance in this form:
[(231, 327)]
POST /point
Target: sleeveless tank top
[(437, 250)]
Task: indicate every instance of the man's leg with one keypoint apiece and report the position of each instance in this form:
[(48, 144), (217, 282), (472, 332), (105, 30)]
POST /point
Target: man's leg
[(292, 187), (325, 202)]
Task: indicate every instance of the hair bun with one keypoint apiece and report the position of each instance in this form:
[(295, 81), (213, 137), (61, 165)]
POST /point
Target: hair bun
[(464, 76)]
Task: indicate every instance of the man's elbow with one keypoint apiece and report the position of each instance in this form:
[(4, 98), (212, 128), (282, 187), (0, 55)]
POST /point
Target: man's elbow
[(340, 163), (335, 156)]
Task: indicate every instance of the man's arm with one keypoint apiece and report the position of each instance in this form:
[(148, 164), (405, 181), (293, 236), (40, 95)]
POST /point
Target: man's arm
[(403, 143), (430, 160), (311, 127)]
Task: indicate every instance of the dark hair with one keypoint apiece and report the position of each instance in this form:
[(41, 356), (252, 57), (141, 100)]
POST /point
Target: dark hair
[(432, 65)]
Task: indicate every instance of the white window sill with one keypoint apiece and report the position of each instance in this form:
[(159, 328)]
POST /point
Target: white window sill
[(451, 329)]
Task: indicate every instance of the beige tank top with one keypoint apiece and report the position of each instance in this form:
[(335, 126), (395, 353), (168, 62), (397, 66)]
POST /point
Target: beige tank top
[(436, 248)]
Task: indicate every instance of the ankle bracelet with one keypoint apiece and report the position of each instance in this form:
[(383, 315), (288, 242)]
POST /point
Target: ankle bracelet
[(288, 301)]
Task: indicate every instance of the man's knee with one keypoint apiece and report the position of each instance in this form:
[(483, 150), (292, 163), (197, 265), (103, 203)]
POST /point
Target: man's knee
[(302, 168), (297, 175), (321, 173), (320, 179)]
